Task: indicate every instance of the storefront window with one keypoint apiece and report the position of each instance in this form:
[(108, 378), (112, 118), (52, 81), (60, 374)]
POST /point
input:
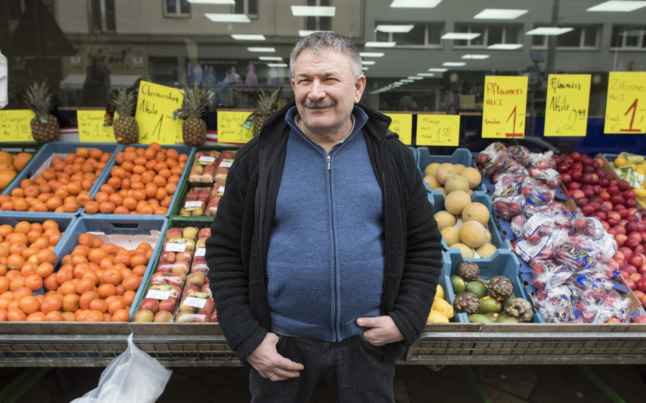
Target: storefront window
[(177, 8)]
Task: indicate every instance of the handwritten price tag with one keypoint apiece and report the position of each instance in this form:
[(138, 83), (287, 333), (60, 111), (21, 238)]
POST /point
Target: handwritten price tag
[(402, 124), (230, 129), (566, 109), (155, 106), (15, 125), (91, 127), (626, 103), (505, 103), (438, 130)]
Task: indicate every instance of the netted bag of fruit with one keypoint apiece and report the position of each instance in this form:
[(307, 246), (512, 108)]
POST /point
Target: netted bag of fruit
[(540, 249), (548, 275), (596, 300), (556, 305)]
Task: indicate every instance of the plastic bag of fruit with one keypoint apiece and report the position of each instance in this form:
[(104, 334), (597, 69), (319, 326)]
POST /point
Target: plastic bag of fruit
[(133, 376), (205, 163)]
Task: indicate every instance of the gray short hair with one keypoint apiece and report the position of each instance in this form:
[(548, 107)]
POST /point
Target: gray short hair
[(320, 42)]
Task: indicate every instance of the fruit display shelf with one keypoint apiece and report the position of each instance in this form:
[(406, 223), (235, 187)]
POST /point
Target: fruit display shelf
[(125, 231), (181, 149), (16, 148), (460, 156)]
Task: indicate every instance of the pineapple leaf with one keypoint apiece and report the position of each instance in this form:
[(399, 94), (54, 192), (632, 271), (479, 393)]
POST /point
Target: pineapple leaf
[(39, 99), (195, 102), (124, 101)]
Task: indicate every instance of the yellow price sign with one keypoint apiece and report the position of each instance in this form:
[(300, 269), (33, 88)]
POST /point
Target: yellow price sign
[(566, 109), (402, 124), (505, 105), (230, 129), (155, 106), (626, 103), (91, 129), (15, 125), (438, 130)]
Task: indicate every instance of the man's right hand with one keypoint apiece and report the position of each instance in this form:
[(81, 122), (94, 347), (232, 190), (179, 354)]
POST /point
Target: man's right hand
[(271, 365)]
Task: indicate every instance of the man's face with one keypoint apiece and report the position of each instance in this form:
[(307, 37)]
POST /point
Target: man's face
[(326, 91)]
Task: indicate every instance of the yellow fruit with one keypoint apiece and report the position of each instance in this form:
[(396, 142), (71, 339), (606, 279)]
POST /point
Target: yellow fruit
[(436, 317), (444, 172), (640, 192), (451, 235), (476, 211), (444, 219), (440, 305), (456, 201), (439, 292), (474, 234), (620, 161), (465, 251), (431, 168), (473, 176), (458, 168), (432, 182), (456, 182), (486, 250)]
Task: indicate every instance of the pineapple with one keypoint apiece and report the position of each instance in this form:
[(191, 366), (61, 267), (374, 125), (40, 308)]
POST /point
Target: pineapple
[(44, 126), (194, 105), (126, 130), (264, 108)]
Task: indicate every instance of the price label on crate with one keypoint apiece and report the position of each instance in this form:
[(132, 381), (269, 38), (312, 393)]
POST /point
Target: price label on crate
[(626, 103), (175, 247), (200, 252), (402, 124), (193, 204), (15, 125), (159, 291), (196, 299), (226, 163), (205, 160), (505, 103), (566, 109), (438, 130)]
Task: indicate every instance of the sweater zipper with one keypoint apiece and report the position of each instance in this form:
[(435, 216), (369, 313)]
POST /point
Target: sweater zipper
[(335, 313)]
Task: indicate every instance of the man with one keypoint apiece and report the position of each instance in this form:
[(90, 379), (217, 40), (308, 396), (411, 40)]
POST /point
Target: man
[(324, 255)]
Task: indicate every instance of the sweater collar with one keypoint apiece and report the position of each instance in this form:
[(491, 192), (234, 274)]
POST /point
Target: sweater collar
[(359, 119)]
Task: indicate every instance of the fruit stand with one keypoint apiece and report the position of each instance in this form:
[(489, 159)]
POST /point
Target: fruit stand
[(464, 339)]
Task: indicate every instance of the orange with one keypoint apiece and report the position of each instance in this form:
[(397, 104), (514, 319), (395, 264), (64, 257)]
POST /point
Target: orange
[(46, 256), (51, 303), (36, 317), (17, 283), (85, 285), (29, 304), (91, 207), (115, 305), (120, 315), (86, 298), (54, 316), (68, 287), (71, 302), (44, 270), (97, 254), (50, 282), (106, 207), (106, 290), (112, 276), (4, 284), (68, 316), (34, 282), (94, 316), (131, 283), (15, 314), (16, 261), (64, 274), (128, 297), (3, 314)]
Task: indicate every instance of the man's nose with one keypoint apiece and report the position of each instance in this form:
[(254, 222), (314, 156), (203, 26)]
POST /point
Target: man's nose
[(317, 92)]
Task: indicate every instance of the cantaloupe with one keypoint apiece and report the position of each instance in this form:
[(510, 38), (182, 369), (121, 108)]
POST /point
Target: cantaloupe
[(465, 251), (474, 234), (472, 175), (444, 219), (458, 168), (476, 211), (455, 202), (432, 182), (444, 172), (456, 182), (486, 250), (451, 235)]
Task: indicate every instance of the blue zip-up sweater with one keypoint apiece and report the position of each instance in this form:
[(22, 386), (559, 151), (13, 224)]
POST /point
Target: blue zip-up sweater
[(325, 261)]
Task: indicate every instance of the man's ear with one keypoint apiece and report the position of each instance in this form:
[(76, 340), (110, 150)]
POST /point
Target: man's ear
[(359, 86)]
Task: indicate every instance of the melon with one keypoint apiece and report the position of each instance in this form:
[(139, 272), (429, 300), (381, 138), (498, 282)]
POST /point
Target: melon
[(444, 219), (474, 234), (458, 168), (444, 172), (432, 182), (456, 201), (456, 182), (451, 235), (486, 250), (472, 175), (465, 251), (476, 211), (431, 168)]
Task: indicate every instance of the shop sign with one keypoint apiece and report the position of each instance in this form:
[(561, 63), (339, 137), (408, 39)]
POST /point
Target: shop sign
[(626, 103), (438, 130), (505, 105), (402, 124), (91, 128), (566, 108), (155, 106)]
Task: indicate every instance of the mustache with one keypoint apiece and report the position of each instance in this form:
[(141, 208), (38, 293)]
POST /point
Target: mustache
[(318, 104)]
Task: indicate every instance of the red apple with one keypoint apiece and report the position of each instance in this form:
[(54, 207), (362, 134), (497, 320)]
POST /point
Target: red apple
[(640, 319), (621, 239), (636, 277), (168, 305), (144, 315), (163, 316), (628, 253)]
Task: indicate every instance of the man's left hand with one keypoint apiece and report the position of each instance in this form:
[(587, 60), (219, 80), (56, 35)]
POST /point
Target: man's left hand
[(382, 330)]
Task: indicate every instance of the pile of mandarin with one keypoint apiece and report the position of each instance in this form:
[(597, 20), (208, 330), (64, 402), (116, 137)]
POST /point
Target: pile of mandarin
[(142, 181), (96, 282), (62, 187)]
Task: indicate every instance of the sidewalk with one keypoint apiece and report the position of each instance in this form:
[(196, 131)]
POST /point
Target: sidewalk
[(413, 384)]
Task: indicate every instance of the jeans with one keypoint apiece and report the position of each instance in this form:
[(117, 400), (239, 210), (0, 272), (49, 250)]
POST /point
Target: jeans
[(353, 368)]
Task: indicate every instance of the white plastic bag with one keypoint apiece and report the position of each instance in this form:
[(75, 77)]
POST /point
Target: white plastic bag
[(133, 376)]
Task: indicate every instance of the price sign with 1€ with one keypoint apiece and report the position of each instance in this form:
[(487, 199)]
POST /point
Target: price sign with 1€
[(15, 125), (438, 130), (626, 103), (155, 106), (505, 103)]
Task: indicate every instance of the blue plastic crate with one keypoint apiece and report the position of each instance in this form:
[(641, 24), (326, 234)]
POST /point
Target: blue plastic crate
[(115, 226), (65, 222), (182, 149), (437, 200), (504, 263)]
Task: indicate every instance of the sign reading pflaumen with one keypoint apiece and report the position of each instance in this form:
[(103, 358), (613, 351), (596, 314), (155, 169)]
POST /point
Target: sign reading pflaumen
[(15, 125), (566, 107), (626, 103), (91, 128), (402, 124), (231, 129), (438, 130), (505, 102), (155, 106)]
